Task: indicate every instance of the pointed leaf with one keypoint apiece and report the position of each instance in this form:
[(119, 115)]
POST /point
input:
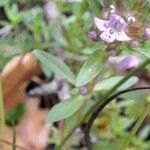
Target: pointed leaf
[(64, 109), (107, 84), (91, 68), (95, 6), (55, 65)]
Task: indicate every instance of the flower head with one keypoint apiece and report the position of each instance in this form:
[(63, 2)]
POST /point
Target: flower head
[(113, 28), (83, 90), (128, 63), (124, 63), (147, 33), (92, 35)]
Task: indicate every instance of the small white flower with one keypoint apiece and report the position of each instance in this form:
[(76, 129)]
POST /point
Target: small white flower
[(130, 18), (112, 7), (113, 28)]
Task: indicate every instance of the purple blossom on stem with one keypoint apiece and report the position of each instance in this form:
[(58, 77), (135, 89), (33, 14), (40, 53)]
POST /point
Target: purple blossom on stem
[(92, 35), (128, 63), (113, 28), (147, 33), (83, 90)]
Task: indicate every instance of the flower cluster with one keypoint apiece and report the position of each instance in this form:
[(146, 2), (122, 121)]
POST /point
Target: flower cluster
[(114, 29), (121, 29)]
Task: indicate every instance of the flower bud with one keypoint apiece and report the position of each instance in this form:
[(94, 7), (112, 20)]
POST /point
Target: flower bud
[(83, 90), (134, 44), (92, 35), (128, 63), (147, 33)]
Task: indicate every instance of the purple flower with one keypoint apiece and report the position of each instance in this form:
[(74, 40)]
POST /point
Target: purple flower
[(92, 35), (113, 28), (83, 90), (147, 33), (128, 63)]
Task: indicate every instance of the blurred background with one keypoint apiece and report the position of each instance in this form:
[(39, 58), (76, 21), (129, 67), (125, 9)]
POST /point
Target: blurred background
[(61, 27)]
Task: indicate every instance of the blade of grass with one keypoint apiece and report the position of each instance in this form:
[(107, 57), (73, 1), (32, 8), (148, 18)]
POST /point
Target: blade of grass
[(14, 137), (2, 115), (128, 139)]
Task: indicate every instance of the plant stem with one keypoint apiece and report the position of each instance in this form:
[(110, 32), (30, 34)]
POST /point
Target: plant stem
[(2, 115), (11, 144), (97, 103), (14, 137), (135, 128), (100, 108)]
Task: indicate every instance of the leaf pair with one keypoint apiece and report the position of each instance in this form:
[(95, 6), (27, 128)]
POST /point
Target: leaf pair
[(89, 71), (91, 68)]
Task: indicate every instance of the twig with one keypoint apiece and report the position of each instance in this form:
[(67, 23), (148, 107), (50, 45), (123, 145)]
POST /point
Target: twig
[(9, 143), (99, 109)]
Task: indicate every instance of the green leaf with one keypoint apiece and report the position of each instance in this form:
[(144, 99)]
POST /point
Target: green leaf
[(95, 6), (55, 65), (105, 145), (91, 68), (64, 109), (144, 52), (107, 84), (125, 142)]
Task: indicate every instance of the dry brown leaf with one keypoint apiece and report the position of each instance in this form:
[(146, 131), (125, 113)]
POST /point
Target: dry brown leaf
[(32, 129), (31, 133), (16, 75)]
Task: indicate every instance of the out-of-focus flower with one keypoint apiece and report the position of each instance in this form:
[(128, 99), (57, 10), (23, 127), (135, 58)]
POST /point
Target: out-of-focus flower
[(112, 9), (83, 90), (134, 44), (115, 60), (130, 18), (147, 33), (92, 35), (113, 28), (124, 63), (128, 63)]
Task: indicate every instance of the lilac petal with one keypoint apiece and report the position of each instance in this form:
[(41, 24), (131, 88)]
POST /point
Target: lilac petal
[(147, 33), (128, 63), (117, 23), (122, 36), (83, 90), (107, 36), (101, 24)]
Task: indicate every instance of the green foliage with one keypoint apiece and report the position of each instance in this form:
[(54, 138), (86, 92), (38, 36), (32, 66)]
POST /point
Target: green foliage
[(31, 32), (55, 65), (107, 84), (128, 139), (15, 115), (65, 109), (91, 68)]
